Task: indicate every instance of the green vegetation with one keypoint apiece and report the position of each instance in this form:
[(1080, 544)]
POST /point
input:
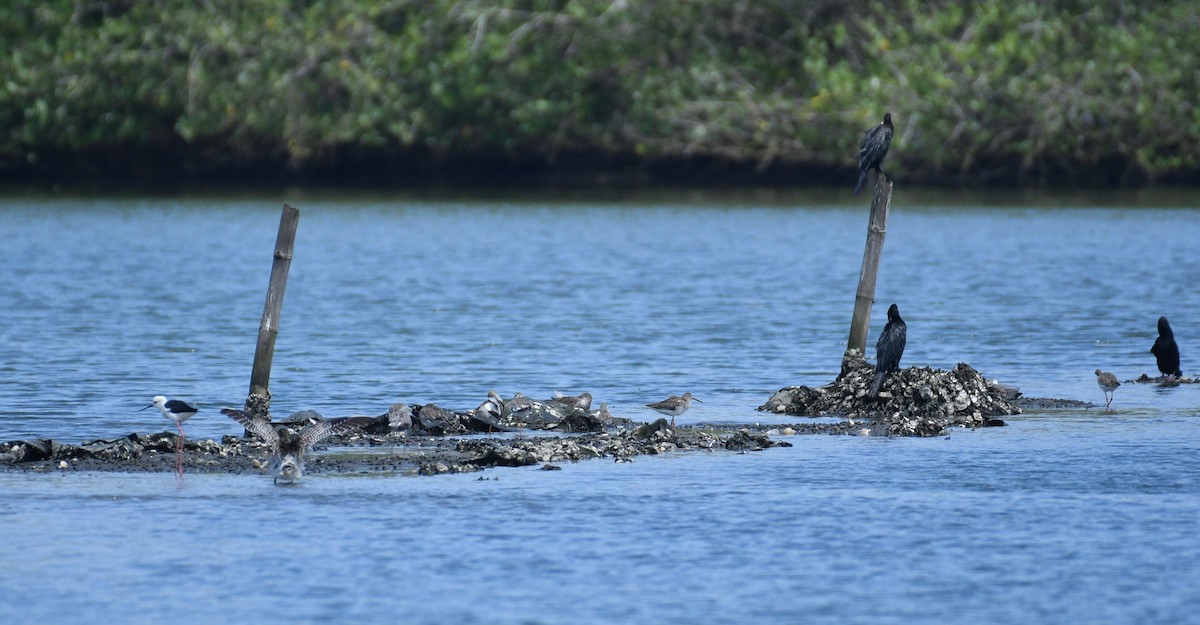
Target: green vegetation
[(1022, 91)]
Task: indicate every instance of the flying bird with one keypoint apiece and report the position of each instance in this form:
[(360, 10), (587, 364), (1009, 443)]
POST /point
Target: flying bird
[(873, 148), (889, 348), (1166, 351), (1107, 383), (287, 447)]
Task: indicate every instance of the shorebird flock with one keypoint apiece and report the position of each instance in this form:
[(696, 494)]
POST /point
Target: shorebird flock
[(288, 447)]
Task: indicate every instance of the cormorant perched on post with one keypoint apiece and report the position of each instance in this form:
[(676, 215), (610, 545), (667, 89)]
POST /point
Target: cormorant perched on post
[(889, 349), (1165, 350), (874, 147)]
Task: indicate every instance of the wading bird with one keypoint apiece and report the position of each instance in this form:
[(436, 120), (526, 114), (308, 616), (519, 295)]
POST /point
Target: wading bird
[(1107, 383), (673, 406), (178, 412), (287, 447)]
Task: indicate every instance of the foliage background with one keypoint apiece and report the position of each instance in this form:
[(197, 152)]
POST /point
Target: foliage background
[(1024, 92)]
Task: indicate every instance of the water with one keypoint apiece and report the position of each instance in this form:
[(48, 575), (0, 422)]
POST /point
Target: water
[(1065, 516)]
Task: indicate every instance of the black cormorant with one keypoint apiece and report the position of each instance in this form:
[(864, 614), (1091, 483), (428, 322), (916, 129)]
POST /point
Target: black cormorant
[(889, 348), (1165, 350), (874, 147)]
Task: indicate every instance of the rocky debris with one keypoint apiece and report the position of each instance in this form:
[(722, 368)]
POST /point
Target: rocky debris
[(410, 454), (1050, 403), (917, 401), (1164, 380)]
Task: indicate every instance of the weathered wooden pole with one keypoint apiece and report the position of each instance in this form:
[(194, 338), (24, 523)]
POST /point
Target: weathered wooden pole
[(258, 403), (881, 201)]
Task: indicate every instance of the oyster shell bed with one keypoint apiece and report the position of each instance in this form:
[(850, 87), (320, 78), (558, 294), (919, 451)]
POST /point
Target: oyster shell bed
[(391, 452), (918, 401)]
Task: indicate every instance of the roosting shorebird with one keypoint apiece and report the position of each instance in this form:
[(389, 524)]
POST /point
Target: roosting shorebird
[(287, 447), (583, 401), (1166, 350), (673, 406), (889, 349), (1107, 383), (873, 148), (178, 412)]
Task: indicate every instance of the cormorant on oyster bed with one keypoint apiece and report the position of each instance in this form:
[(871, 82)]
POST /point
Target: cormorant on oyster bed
[(1165, 350), (874, 147), (889, 348)]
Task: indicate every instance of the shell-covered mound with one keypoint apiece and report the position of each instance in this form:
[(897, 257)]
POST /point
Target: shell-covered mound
[(918, 401)]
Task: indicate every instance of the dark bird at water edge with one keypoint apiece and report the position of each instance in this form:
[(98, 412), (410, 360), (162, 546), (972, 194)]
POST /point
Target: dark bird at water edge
[(874, 147), (889, 348), (1165, 350)]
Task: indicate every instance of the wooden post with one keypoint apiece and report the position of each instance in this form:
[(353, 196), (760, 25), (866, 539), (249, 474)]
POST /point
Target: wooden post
[(258, 403), (881, 201)]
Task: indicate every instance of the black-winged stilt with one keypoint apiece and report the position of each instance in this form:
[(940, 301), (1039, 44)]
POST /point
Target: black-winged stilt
[(178, 412), (287, 447)]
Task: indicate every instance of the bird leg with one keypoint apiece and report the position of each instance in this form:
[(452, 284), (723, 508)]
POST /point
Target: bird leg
[(179, 451)]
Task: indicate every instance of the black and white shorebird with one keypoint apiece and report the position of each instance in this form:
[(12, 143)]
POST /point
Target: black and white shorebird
[(873, 148), (287, 447), (178, 412), (1166, 351), (673, 406), (1107, 383), (889, 349)]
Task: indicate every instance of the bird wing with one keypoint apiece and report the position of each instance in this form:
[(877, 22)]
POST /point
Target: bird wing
[(321, 430), (179, 407), (260, 427)]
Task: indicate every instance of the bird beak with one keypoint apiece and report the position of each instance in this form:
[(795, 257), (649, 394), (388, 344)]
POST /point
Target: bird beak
[(696, 399), (150, 406)]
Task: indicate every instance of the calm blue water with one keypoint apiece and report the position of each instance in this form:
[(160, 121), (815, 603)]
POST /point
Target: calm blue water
[(1065, 516)]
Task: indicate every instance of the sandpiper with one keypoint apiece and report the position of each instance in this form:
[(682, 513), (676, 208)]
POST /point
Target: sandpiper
[(287, 447), (673, 406), (178, 412), (399, 417), (492, 407), (1108, 383), (583, 401), (519, 406)]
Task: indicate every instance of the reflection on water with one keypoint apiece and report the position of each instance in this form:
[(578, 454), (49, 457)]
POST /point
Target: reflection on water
[(1065, 516)]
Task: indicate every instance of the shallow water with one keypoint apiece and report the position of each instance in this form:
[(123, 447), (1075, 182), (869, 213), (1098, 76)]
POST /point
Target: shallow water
[(1065, 516)]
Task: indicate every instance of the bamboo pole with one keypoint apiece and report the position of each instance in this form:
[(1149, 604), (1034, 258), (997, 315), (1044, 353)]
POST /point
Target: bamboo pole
[(881, 201), (258, 403)]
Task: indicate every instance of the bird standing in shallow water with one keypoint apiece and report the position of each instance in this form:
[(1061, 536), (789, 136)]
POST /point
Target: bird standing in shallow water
[(1107, 383), (889, 348), (1166, 351), (287, 447), (673, 406), (178, 412), (873, 148)]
